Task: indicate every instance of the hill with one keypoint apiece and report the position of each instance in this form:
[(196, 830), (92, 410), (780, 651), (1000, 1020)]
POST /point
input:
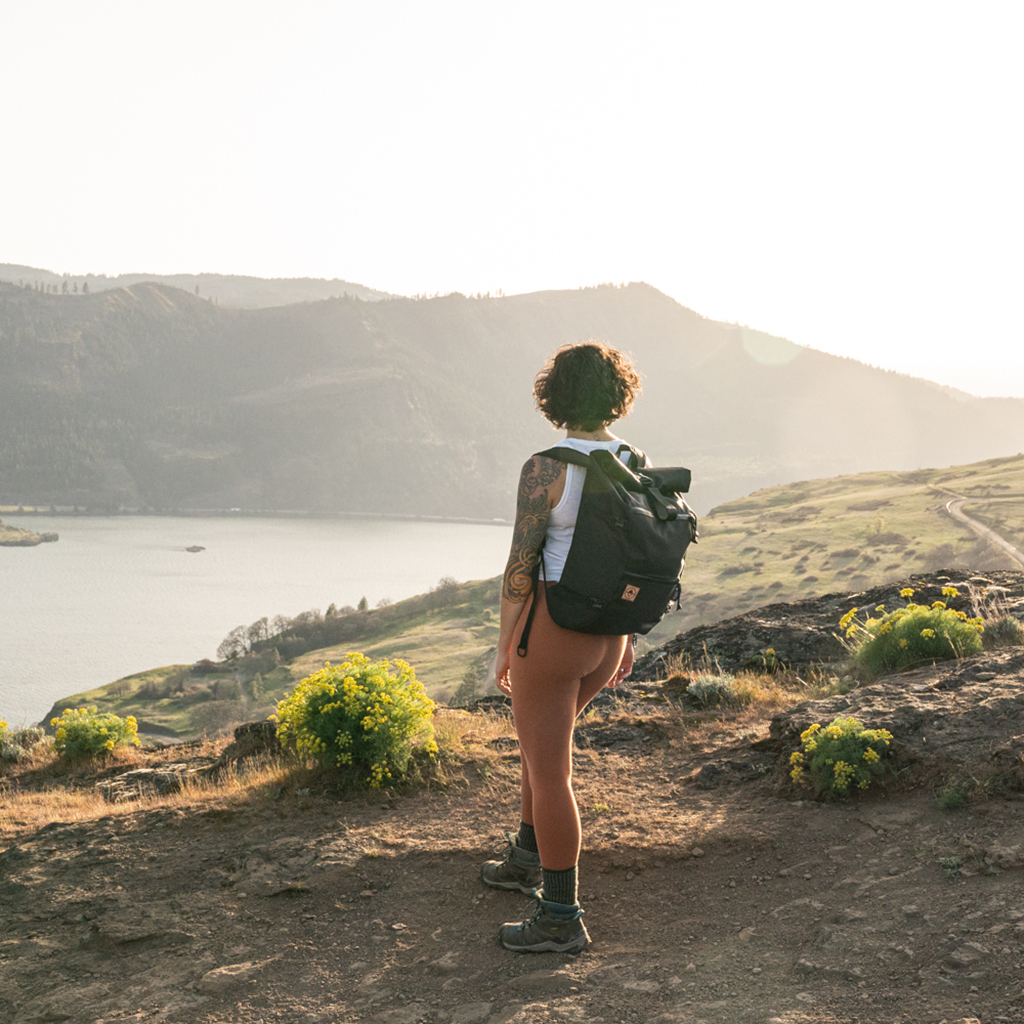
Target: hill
[(779, 545), (151, 397), (190, 886), (447, 635), (234, 291)]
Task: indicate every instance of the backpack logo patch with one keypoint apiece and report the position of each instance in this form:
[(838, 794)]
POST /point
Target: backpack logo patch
[(630, 593)]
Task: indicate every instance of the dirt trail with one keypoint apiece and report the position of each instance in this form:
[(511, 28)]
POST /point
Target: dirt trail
[(955, 508), (708, 900)]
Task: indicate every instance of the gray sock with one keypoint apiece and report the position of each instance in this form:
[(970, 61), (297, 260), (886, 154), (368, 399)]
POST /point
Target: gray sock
[(527, 838), (561, 887)]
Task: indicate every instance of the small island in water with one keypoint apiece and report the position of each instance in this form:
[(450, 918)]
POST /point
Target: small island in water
[(14, 537)]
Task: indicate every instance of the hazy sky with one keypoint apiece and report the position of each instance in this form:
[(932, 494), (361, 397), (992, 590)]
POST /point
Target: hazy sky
[(846, 175)]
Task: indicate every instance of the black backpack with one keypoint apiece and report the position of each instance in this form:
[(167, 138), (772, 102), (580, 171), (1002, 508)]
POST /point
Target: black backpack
[(631, 535)]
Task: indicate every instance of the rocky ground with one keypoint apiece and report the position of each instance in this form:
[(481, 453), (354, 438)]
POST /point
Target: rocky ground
[(714, 891)]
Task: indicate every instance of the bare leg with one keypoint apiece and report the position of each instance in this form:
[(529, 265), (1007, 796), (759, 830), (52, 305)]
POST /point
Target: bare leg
[(585, 696), (547, 697)]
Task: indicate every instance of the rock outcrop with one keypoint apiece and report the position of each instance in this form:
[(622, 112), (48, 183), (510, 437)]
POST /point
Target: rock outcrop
[(15, 537), (945, 719), (807, 633)]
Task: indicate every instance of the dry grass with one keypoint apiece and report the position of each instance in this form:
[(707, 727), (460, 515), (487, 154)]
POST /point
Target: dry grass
[(464, 742), (777, 691), (471, 746), (46, 790), (462, 731)]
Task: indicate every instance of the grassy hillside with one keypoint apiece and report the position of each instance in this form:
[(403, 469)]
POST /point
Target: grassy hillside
[(444, 634), (150, 396), (843, 534), (779, 544)]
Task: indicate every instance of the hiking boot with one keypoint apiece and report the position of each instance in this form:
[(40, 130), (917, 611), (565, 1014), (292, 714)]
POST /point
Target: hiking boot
[(518, 869), (549, 930)]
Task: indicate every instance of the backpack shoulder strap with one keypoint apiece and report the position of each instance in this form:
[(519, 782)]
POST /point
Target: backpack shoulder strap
[(637, 458), (566, 455)]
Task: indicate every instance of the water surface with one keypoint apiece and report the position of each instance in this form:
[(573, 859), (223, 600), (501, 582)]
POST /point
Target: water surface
[(119, 594)]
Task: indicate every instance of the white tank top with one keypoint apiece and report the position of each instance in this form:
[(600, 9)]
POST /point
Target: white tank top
[(562, 521)]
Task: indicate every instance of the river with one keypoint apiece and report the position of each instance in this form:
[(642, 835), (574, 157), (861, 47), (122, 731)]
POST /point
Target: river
[(119, 594)]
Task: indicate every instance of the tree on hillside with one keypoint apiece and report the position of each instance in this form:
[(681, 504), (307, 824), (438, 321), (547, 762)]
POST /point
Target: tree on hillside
[(258, 631), (235, 643), (253, 688), (363, 605), (446, 592), (472, 685)]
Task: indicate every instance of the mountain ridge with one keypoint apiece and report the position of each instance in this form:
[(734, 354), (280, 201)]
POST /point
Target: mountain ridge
[(152, 397), (239, 291)]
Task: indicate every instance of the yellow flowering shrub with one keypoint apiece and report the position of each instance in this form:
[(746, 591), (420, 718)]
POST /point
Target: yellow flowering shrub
[(359, 715), (911, 635), (84, 732), (838, 757)]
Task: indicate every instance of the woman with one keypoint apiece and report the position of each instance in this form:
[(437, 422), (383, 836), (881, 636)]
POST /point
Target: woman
[(583, 388)]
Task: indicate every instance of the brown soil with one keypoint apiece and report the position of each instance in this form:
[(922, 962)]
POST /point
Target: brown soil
[(711, 895)]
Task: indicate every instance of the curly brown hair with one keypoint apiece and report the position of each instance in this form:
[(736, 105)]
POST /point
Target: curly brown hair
[(585, 386)]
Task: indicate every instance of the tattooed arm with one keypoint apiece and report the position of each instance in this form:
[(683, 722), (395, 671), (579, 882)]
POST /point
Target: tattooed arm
[(540, 488)]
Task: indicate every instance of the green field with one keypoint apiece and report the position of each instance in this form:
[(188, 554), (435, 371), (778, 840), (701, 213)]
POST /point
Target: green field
[(845, 533), (777, 545)]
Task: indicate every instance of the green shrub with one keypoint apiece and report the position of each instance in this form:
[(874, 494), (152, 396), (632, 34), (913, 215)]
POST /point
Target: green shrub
[(360, 715), (951, 865), (28, 738), (766, 661), (951, 797), (10, 749), (911, 635), (712, 690), (154, 689), (84, 732), (841, 755), (1005, 632)]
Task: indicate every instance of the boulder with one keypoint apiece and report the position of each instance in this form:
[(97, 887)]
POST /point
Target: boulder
[(254, 739)]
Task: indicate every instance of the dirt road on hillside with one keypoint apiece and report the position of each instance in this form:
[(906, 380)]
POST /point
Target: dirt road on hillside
[(956, 509)]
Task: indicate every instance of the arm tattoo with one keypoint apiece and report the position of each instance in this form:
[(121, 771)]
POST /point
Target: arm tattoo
[(532, 512)]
